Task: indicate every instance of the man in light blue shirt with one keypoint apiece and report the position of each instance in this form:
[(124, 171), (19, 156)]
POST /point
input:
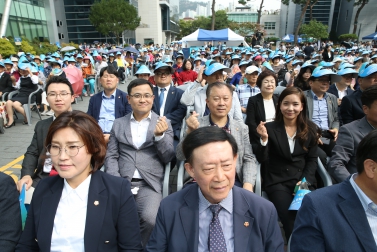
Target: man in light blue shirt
[(342, 217)]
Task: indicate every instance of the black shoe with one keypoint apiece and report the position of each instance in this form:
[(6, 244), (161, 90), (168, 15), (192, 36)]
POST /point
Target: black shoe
[(9, 126), (25, 123)]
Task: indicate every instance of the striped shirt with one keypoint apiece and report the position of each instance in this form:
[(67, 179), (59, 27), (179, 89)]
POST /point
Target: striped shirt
[(244, 92), (369, 206)]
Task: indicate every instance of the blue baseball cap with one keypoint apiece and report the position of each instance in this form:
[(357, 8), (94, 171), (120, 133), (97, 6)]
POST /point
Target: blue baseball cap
[(8, 61), (348, 70), (357, 59), (236, 57), (295, 62), (196, 59), (307, 64), (143, 69), (34, 69), (66, 58), (243, 62), (71, 59), (23, 66), (367, 70), (2, 64), (346, 65), (268, 66), (42, 57), (163, 65), (211, 69), (322, 71), (168, 60), (119, 53)]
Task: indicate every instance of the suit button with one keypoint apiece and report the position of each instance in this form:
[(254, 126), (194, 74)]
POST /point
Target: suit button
[(107, 242)]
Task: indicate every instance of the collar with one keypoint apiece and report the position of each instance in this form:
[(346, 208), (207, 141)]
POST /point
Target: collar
[(112, 96), (82, 190), (226, 127), (364, 199), (315, 97), (159, 88), (148, 117), (226, 203)]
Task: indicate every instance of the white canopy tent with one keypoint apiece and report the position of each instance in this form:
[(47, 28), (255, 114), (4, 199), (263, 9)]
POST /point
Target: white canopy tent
[(198, 37)]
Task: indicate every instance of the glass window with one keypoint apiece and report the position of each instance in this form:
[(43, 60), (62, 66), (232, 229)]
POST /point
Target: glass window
[(23, 10), (14, 28), (26, 31), (43, 14), (269, 25)]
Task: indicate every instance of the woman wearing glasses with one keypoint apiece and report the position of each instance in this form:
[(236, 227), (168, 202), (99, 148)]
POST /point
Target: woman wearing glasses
[(81, 209)]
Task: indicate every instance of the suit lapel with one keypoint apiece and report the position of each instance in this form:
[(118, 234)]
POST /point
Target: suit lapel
[(49, 205), (364, 126), (127, 131), (170, 96), (309, 98), (358, 100), (261, 112), (356, 217), (95, 213), (98, 105), (281, 136), (189, 214), (242, 221), (329, 110), (118, 101)]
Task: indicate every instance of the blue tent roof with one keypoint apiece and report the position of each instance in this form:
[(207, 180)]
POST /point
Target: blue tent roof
[(371, 36), (218, 35), (289, 38)]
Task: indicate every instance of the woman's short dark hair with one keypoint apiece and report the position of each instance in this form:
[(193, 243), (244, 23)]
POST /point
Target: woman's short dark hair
[(203, 136), (138, 82), (184, 65), (218, 85), (58, 79), (110, 70), (264, 75), (87, 129), (367, 149), (369, 95), (305, 127)]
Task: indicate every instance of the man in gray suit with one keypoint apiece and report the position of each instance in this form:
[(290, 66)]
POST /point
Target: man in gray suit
[(322, 108), (195, 94), (343, 160), (219, 101), (59, 96), (140, 145)]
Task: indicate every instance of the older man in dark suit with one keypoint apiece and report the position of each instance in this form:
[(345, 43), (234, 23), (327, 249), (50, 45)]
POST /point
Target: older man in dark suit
[(343, 160), (35, 166), (214, 215), (10, 216), (167, 99), (110, 104), (140, 145), (342, 217)]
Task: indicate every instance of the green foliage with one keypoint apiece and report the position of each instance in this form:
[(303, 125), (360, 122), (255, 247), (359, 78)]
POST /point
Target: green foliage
[(314, 29), (272, 39), (6, 48), (46, 47), (244, 29), (114, 16), (346, 37), (222, 20), (26, 46), (286, 2)]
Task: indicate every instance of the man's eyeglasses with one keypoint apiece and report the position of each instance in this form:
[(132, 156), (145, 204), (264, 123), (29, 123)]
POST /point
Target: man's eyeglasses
[(322, 81), (139, 96), (162, 73), (55, 95), (71, 150)]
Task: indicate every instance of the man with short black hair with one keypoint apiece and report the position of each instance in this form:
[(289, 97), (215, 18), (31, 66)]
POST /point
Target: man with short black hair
[(214, 215), (342, 217), (35, 165), (343, 160), (110, 104)]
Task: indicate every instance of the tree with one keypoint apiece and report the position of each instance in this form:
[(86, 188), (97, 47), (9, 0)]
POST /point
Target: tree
[(304, 4), (245, 29), (243, 2), (315, 29), (221, 20), (346, 37), (213, 15), (114, 17), (6, 48), (361, 4), (27, 46), (311, 5)]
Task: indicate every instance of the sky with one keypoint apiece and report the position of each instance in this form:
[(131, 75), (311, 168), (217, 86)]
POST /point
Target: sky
[(268, 4)]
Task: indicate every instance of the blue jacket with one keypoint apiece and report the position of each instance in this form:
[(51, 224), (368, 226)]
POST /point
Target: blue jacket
[(122, 107)]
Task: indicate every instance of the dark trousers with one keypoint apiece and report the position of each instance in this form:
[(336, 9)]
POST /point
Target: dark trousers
[(121, 70), (281, 196), (327, 148)]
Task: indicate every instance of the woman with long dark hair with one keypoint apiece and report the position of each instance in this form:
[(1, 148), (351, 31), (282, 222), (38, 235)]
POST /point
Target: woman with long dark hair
[(288, 152), (188, 74), (301, 81)]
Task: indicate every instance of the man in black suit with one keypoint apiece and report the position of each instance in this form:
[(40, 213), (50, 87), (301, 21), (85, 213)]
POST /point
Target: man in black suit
[(167, 99), (35, 165), (110, 104), (351, 108), (10, 215), (5, 81)]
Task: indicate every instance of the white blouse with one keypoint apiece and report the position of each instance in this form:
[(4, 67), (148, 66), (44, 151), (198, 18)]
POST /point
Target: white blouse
[(70, 218), (269, 110)]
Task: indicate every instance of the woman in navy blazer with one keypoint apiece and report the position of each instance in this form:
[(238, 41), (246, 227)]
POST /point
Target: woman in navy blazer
[(287, 162), (109, 216)]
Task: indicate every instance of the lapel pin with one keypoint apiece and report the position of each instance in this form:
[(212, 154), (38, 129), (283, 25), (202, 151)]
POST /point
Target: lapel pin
[(246, 224), (172, 92), (107, 242), (96, 203), (119, 97)]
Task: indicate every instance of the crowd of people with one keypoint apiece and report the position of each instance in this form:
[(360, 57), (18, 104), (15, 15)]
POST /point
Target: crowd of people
[(222, 113)]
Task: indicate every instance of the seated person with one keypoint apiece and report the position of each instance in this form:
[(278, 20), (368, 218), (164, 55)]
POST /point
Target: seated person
[(82, 208), (110, 104), (167, 99), (35, 165), (143, 72), (10, 215), (140, 145), (214, 215), (195, 95), (351, 108), (248, 89), (288, 149), (322, 108), (343, 160), (342, 217), (88, 75), (187, 74), (219, 102), (5, 81), (261, 107), (26, 84)]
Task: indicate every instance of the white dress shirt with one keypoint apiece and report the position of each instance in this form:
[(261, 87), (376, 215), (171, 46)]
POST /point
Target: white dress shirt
[(70, 218), (162, 108)]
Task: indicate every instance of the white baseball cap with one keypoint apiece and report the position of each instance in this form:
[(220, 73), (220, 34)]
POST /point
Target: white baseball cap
[(251, 69)]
